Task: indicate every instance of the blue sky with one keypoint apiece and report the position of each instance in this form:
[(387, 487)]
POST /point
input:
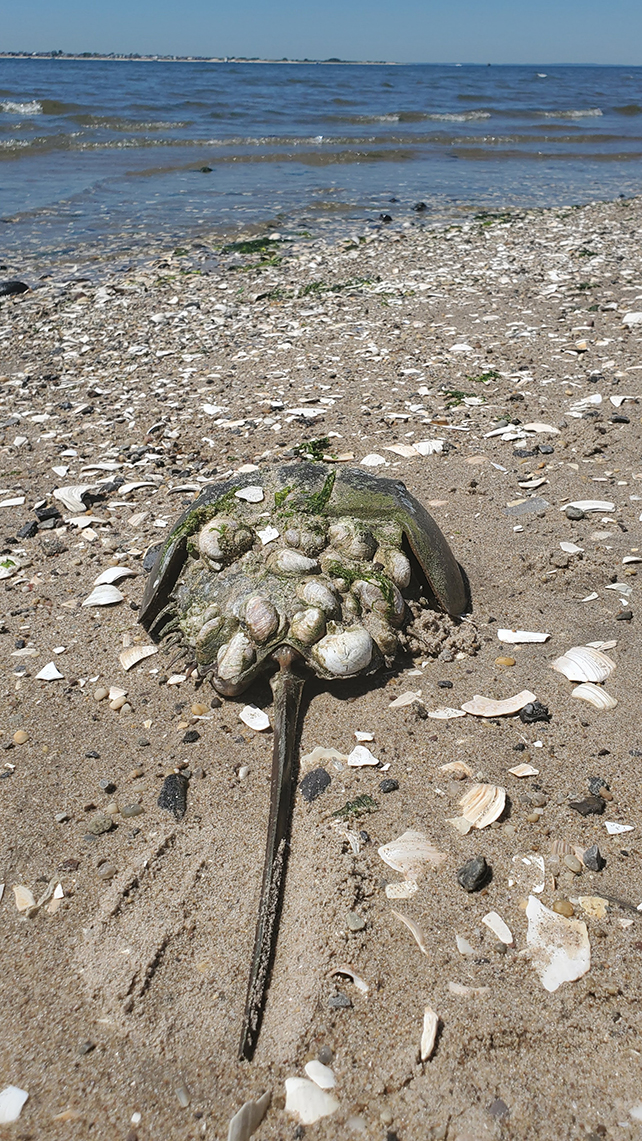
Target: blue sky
[(423, 31)]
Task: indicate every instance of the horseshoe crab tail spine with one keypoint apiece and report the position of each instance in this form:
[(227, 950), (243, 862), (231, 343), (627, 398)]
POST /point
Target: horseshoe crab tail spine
[(287, 687)]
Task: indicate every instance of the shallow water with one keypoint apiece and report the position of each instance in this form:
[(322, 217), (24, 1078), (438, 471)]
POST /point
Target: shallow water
[(108, 154)]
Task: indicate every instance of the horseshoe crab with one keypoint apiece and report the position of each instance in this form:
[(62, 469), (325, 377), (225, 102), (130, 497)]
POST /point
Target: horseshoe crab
[(300, 566)]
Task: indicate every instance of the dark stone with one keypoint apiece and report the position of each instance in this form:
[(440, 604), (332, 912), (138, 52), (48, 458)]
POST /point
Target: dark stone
[(419, 710), (445, 684), (617, 419), (215, 703), (92, 755), (593, 859), (69, 865), (43, 513), (624, 616), (53, 546), (474, 874), (313, 784), (419, 207), (385, 218), (339, 1001), (524, 453), (173, 795), (10, 288), (143, 742), (574, 513), (589, 806), (205, 170), (545, 449), (191, 736), (519, 747), (28, 530), (533, 712), (107, 786), (596, 784), (389, 785), (498, 1108)]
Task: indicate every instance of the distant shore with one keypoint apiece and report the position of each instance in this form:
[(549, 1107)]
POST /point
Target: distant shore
[(112, 57)]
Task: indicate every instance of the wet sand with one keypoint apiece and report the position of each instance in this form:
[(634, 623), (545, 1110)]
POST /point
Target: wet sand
[(183, 370)]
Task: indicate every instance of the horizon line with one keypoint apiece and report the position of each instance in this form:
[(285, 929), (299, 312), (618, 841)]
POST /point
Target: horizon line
[(332, 61)]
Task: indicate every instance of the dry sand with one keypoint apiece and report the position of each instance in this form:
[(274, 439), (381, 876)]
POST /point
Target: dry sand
[(134, 987)]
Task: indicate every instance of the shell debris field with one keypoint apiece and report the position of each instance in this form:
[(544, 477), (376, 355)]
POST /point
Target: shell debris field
[(141, 963)]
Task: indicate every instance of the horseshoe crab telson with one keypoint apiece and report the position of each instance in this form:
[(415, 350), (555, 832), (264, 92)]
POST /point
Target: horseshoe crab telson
[(301, 566)]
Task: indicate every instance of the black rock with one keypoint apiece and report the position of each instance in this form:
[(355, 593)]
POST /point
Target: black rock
[(545, 449), (385, 217), (9, 288), (191, 736), (92, 755), (589, 806), (519, 747), (205, 170), (616, 419), (388, 785), (43, 513), (107, 786), (445, 684), (419, 207), (595, 784), (593, 859), (173, 795), (28, 530), (533, 712), (573, 513), (215, 703), (474, 874), (313, 784), (524, 453), (339, 1001), (624, 616)]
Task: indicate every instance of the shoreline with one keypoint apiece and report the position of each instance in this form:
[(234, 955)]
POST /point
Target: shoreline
[(506, 342)]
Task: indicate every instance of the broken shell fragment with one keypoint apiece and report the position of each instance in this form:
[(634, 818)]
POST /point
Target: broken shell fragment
[(113, 574), (361, 756), (133, 654), (345, 654), (429, 1034), (595, 695), (402, 890), (559, 948), (24, 897), (467, 991), (343, 969), (459, 769), (446, 713), (410, 853), (71, 497), (249, 1117), (254, 718), (516, 637), (414, 929), (50, 672), (105, 595), (250, 494), (524, 770), (482, 804), (583, 663), (12, 1099), (307, 1101), (496, 924), (488, 707), (321, 1075)]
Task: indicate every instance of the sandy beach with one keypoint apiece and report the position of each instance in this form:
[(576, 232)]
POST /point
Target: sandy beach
[(512, 343)]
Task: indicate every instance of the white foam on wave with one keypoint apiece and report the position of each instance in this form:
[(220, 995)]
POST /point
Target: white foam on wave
[(12, 108), (465, 117), (590, 113)]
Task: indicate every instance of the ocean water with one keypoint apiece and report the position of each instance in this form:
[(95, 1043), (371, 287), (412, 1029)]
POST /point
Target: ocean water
[(108, 155)]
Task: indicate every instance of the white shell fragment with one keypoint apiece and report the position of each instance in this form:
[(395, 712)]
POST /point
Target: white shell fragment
[(457, 767), (8, 566), (50, 672), (612, 827), (463, 946), (306, 1101), (582, 663), (113, 574), (446, 713), (414, 929), (71, 496), (515, 637), (401, 890), (254, 718), (343, 969), (559, 948), (488, 707), (133, 654), (595, 695), (250, 494), (590, 505), (323, 756), (407, 698), (249, 1117), (571, 548), (467, 991), (482, 804), (361, 756), (524, 770), (24, 897), (410, 853), (496, 924), (429, 1034), (104, 596), (321, 1075), (268, 535), (12, 1099), (373, 460)]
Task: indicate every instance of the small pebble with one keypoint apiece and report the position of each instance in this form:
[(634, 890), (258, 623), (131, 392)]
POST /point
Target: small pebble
[(191, 736), (504, 661), (538, 800), (199, 710), (111, 809), (386, 1116), (509, 829), (339, 1001), (101, 693), (474, 874), (355, 922), (624, 616), (215, 703), (20, 737), (596, 784), (107, 786), (173, 795), (106, 871), (573, 864), (533, 712), (445, 684), (534, 817), (313, 784), (574, 513), (325, 1055), (100, 823), (198, 773), (86, 1047), (135, 773), (563, 907), (61, 817), (244, 772), (389, 785), (132, 810), (593, 859), (589, 806), (143, 742)]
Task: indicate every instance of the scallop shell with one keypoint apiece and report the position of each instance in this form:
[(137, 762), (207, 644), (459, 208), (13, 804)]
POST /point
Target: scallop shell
[(582, 663), (429, 1034), (482, 804), (345, 654), (104, 596), (71, 497), (409, 853), (595, 695), (488, 707), (134, 654)]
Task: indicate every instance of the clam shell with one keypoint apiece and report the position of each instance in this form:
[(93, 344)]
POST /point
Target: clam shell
[(71, 497), (595, 695), (582, 663), (482, 804), (488, 707), (133, 654), (12, 1099), (429, 1034), (343, 655), (104, 596), (410, 853)]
